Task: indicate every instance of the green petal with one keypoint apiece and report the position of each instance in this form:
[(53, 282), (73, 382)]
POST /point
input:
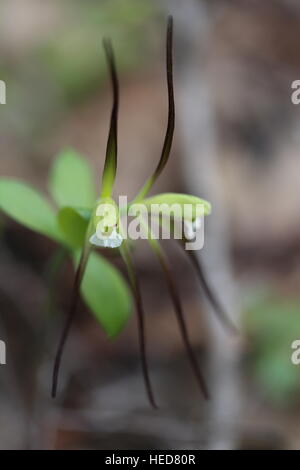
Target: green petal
[(110, 166), (165, 154), (209, 292), (178, 309), (25, 205), (73, 223), (171, 199), (71, 180), (106, 294)]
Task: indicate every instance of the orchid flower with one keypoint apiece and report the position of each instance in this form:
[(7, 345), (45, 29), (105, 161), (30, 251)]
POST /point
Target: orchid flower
[(85, 223), (105, 223)]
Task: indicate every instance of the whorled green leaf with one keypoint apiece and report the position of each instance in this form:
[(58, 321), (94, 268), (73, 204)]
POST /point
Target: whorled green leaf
[(73, 223), (28, 207), (106, 294), (71, 180), (110, 166), (177, 203)]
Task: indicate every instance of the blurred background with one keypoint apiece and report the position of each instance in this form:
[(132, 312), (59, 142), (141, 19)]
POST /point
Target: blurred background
[(237, 144)]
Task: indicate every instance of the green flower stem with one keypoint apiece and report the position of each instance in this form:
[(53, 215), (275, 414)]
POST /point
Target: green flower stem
[(73, 306), (51, 272)]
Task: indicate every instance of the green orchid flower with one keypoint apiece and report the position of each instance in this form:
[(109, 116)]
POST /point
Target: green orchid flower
[(83, 222)]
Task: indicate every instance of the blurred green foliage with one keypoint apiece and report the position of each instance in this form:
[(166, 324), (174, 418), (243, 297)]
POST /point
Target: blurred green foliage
[(273, 323), (73, 58), (66, 65)]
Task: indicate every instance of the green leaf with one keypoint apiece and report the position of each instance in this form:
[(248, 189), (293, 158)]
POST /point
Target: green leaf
[(179, 200), (106, 294), (28, 207), (71, 181), (73, 223)]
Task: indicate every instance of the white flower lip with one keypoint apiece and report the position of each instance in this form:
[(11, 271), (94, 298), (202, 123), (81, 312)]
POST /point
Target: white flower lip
[(191, 228), (114, 240)]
